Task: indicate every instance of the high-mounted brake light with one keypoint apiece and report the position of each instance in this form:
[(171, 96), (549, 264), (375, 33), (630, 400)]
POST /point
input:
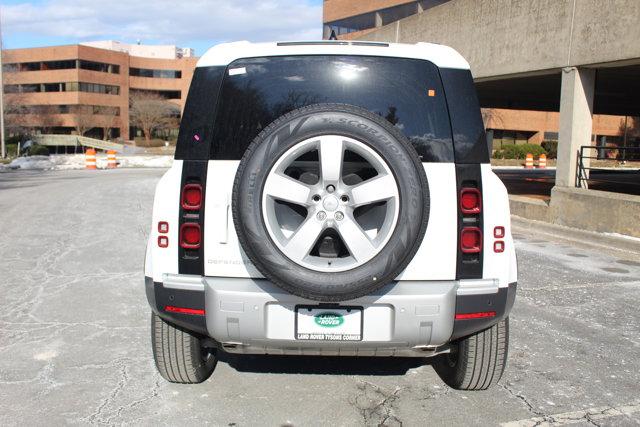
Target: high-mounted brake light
[(470, 201), (190, 235), (478, 315), (192, 197), (471, 240)]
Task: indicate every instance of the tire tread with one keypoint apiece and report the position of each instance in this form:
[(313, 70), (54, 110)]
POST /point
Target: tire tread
[(176, 353)]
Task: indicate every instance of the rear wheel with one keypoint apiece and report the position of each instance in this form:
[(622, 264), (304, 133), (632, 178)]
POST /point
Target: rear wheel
[(179, 355), (478, 361)]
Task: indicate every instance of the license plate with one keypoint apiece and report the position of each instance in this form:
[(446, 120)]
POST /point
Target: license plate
[(328, 323)]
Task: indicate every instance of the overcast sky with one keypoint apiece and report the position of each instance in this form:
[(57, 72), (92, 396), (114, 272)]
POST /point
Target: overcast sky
[(187, 23)]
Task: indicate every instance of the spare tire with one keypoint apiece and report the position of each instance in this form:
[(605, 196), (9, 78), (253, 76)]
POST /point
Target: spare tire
[(330, 202)]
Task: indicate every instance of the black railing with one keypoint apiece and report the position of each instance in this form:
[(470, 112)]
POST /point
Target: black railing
[(608, 169)]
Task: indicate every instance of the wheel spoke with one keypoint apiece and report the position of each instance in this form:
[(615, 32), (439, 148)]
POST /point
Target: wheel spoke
[(374, 190), (282, 187), (331, 152), (304, 238), (359, 245)]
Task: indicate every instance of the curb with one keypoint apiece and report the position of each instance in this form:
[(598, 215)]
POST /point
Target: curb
[(592, 238)]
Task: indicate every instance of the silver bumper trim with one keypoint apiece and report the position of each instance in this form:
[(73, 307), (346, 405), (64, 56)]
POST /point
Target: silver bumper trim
[(253, 316), (477, 286), (184, 282)]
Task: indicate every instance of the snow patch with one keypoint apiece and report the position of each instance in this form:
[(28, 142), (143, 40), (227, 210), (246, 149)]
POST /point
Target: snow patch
[(77, 161)]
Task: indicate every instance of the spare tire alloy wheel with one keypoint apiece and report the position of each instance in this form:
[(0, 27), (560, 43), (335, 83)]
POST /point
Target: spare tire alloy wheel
[(330, 202)]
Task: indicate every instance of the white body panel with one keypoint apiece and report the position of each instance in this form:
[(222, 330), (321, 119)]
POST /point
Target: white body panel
[(226, 53), (436, 258), (495, 203), (166, 207)]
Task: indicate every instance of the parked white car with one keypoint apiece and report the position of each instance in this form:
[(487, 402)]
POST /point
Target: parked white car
[(332, 198)]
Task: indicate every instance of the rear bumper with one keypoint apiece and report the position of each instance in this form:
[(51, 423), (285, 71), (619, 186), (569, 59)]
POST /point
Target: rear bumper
[(253, 316)]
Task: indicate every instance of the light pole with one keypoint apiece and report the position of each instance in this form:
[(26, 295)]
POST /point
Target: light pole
[(3, 148)]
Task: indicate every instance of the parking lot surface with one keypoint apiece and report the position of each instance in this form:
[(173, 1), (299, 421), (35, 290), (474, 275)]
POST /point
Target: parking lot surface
[(75, 344)]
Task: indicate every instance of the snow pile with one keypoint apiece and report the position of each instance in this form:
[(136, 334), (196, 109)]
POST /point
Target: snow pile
[(33, 162), (77, 161)]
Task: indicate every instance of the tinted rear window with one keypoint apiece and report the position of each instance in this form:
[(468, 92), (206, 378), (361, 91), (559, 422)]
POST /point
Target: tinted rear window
[(407, 92)]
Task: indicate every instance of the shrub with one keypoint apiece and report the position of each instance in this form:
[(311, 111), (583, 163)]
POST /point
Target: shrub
[(551, 147), (155, 142), (514, 151), (38, 150)]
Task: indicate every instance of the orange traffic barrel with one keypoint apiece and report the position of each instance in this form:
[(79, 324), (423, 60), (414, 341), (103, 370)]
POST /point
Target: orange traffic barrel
[(528, 163), (542, 161), (111, 159), (90, 159)]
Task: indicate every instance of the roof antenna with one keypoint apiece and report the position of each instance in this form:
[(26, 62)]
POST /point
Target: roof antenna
[(333, 35)]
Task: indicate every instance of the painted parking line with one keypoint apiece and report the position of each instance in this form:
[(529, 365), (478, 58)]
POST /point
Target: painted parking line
[(589, 415)]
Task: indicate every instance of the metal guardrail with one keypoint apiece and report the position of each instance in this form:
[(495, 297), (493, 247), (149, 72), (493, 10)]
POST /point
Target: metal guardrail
[(608, 175), (75, 140)]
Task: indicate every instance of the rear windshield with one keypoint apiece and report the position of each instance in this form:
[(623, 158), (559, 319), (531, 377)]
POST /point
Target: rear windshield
[(407, 92)]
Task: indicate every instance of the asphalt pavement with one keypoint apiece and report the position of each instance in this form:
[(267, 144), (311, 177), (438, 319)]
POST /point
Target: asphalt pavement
[(75, 344)]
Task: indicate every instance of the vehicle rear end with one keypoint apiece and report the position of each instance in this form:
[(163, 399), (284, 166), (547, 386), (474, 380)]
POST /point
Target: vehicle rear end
[(264, 243)]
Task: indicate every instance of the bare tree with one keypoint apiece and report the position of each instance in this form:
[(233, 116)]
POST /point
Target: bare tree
[(83, 118), (108, 117), (491, 117), (47, 118), (15, 113), (149, 112)]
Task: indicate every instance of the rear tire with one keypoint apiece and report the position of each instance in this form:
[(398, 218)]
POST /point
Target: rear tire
[(477, 361), (179, 355)]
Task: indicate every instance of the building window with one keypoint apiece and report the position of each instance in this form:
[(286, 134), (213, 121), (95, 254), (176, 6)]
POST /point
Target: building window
[(59, 65), (166, 94), (158, 74), (98, 88), (396, 13), (99, 66), (64, 87), (352, 24)]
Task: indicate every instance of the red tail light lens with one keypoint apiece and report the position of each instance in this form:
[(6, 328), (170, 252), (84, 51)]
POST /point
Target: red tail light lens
[(478, 315), (163, 242), (190, 235), (471, 240), (470, 201), (163, 227), (184, 310), (192, 197)]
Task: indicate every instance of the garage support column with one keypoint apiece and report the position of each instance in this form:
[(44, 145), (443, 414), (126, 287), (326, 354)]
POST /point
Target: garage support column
[(576, 107)]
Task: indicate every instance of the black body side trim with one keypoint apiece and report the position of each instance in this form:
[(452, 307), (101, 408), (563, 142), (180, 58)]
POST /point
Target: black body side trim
[(469, 266), (196, 126), (191, 261), (469, 139), (159, 297), (500, 302)]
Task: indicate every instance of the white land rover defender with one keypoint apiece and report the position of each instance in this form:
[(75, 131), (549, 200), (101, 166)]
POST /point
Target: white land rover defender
[(332, 198)]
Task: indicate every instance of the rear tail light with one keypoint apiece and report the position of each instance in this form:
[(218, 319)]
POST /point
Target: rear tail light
[(163, 241), (192, 197), (163, 227), (184, 310), (470, 201), (471, 240), (190, 235)]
